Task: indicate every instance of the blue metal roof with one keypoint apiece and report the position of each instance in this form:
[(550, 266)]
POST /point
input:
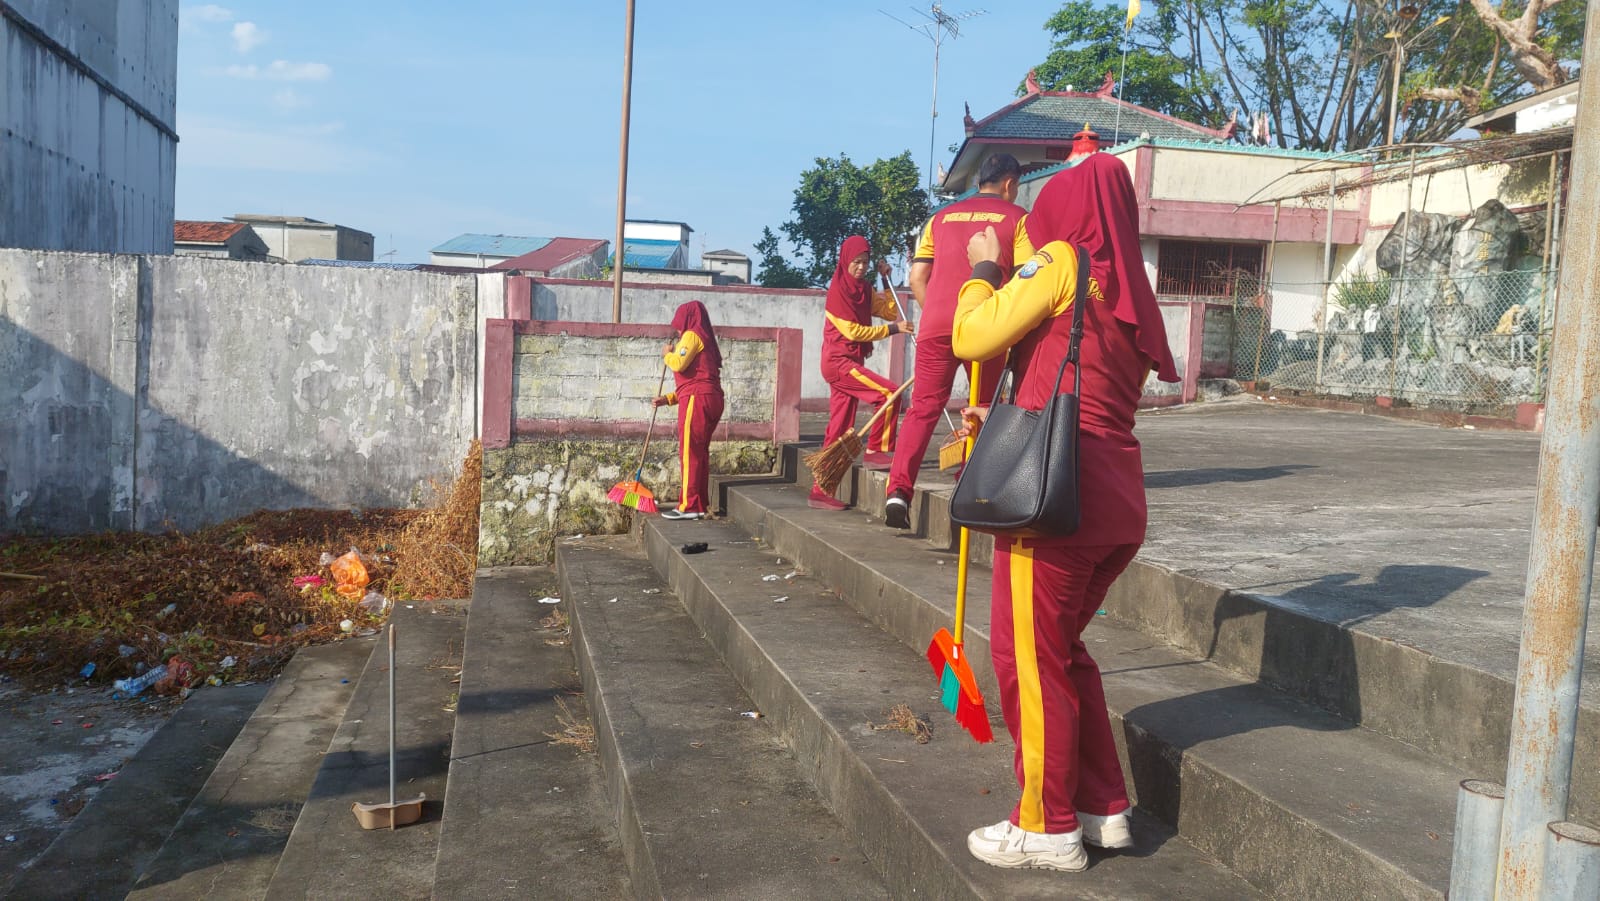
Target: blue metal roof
[(491, 245), (649, 253)]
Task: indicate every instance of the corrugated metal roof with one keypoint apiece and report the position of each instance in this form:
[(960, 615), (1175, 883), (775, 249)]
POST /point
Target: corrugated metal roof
[(725, 255), (649, 253), (491, 245), (1057, 116), (558, 252), (186, 231)]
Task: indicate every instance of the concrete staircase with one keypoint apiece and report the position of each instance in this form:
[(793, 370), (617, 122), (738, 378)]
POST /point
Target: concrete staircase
[(740, 703)]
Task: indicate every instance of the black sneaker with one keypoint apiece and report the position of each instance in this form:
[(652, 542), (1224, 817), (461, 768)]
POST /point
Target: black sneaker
[(897, 511)]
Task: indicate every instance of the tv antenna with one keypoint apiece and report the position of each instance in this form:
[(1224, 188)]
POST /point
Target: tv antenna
[(389, 257), (937, 26)]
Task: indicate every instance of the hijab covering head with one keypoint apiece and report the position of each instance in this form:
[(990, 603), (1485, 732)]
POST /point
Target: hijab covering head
[(693, 317), (855, 292), (1092, 205)]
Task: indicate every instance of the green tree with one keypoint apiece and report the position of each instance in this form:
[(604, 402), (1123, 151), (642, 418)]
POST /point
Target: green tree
[(776, 271), (836, 199), (1320, 72)]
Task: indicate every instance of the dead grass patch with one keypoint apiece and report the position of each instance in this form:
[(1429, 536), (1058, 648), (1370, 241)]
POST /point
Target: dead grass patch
[(902, 719), (278, 819), (576, 731)]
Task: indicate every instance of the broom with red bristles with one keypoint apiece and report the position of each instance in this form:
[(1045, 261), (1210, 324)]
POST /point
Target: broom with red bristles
[(958, 689), (632, 492), (829, 465)]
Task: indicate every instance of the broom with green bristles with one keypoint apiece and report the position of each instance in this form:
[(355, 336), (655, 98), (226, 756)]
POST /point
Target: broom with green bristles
[(958, 689), (632, 492)]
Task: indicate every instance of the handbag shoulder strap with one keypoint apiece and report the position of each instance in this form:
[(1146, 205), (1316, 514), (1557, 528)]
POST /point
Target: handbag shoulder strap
[(1079, 300)]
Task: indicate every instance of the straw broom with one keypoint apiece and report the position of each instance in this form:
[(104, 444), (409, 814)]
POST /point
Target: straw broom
[(829, 465)]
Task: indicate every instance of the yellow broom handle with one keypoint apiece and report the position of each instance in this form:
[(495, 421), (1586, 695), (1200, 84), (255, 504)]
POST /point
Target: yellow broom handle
[(966, 538)]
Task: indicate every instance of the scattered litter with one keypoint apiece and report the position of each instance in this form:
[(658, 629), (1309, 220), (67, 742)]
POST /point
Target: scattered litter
[(297, 628), (374, 603), (350, 575), (1099, 613), (214, 681), (769, 578), (346, 625), (56, 722), (902, 719), (791, 575), (257, 548), (941, 562), (576, 537), (131, 687), (312, 581), (228, 662), (652, 591), (344, 681), (10, 837), (88, 725), (695, 547), (87, 671), (126, 650), (167, 610), (890, 760), (751, 714), (697, 744), (612, 601), (1470, 428), (549, 600), (326, 558), (105, 777), (780, 600)]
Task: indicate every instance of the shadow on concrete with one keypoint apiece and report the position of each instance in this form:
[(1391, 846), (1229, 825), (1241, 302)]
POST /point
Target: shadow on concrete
[(1306, 660), (1187, 478), (80, 454)]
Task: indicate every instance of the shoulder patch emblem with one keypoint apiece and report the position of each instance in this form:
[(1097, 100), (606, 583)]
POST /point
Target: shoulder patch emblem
[(1028, 269)]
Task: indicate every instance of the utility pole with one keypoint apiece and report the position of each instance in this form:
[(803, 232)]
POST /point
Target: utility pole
[(1561, 558), (939, 24), (622, 171)]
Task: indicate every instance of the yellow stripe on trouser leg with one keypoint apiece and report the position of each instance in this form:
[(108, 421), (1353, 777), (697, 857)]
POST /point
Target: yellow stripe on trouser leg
[(683, 453), (1030, 694), (888, 426)]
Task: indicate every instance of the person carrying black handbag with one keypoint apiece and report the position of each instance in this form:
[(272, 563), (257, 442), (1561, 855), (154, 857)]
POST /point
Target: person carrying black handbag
[(1048, 585)]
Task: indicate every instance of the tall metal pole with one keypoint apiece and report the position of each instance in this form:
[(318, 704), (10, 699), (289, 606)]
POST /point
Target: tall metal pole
[(933, 121), (1394, 88), (1327, 275), (1561, 558), (622, 170)]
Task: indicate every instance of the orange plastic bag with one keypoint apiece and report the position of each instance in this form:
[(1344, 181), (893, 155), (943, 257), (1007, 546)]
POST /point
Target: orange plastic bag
[(350, 576)]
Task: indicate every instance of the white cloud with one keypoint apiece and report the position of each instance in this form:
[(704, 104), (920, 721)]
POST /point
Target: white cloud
[(287, 101), (209, 12), (282, 70), (247, 36)]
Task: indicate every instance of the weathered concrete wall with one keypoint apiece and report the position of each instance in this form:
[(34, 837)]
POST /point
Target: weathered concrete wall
[(68, 342), (538, 492), (583, 301), (613, 379), (87, 110), (149, 392)]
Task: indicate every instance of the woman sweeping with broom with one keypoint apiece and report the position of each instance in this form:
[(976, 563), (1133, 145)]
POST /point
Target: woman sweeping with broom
[(1047, 589), (696, 364), (847, 338)]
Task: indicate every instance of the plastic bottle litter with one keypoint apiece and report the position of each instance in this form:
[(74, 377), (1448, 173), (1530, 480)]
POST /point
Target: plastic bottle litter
[(374, 603), (87, 671), (126, 650), (132, 687), (167, 610), (228, 662)]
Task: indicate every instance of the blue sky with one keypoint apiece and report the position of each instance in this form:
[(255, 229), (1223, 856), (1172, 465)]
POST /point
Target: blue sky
[(418, 122)]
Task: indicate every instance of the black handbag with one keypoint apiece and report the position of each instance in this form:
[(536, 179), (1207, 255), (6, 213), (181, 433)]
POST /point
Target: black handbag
[(1022, 477)]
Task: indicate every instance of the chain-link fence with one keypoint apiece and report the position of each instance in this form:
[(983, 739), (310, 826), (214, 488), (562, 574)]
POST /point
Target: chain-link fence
[(1456, 341)]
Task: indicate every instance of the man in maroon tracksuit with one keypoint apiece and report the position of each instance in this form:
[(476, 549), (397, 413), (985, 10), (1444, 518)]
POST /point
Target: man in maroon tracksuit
[(938, 270)]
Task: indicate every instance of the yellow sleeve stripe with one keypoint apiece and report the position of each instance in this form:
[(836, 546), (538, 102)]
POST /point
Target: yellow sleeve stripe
[(689, 345), (855, 331)]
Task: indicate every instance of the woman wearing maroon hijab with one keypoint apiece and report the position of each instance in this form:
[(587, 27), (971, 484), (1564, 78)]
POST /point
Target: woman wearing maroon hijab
[(1046, 590), (847, 336), (696, 364)]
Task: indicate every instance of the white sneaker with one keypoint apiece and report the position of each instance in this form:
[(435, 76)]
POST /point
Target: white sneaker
[(1106, 832), (1005, 845), (681, 514)]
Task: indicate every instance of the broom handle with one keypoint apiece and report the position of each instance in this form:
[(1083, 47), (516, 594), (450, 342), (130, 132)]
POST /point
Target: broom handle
[(653, 411), (887, 403), (910, 339), (966, 537)]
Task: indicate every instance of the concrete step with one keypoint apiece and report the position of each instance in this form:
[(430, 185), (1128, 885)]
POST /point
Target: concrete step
[(1300, 802), (528, 817), (226, 846), (825, 675), (1425, 697), (100, 854), (328, 855), (709, 803)]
